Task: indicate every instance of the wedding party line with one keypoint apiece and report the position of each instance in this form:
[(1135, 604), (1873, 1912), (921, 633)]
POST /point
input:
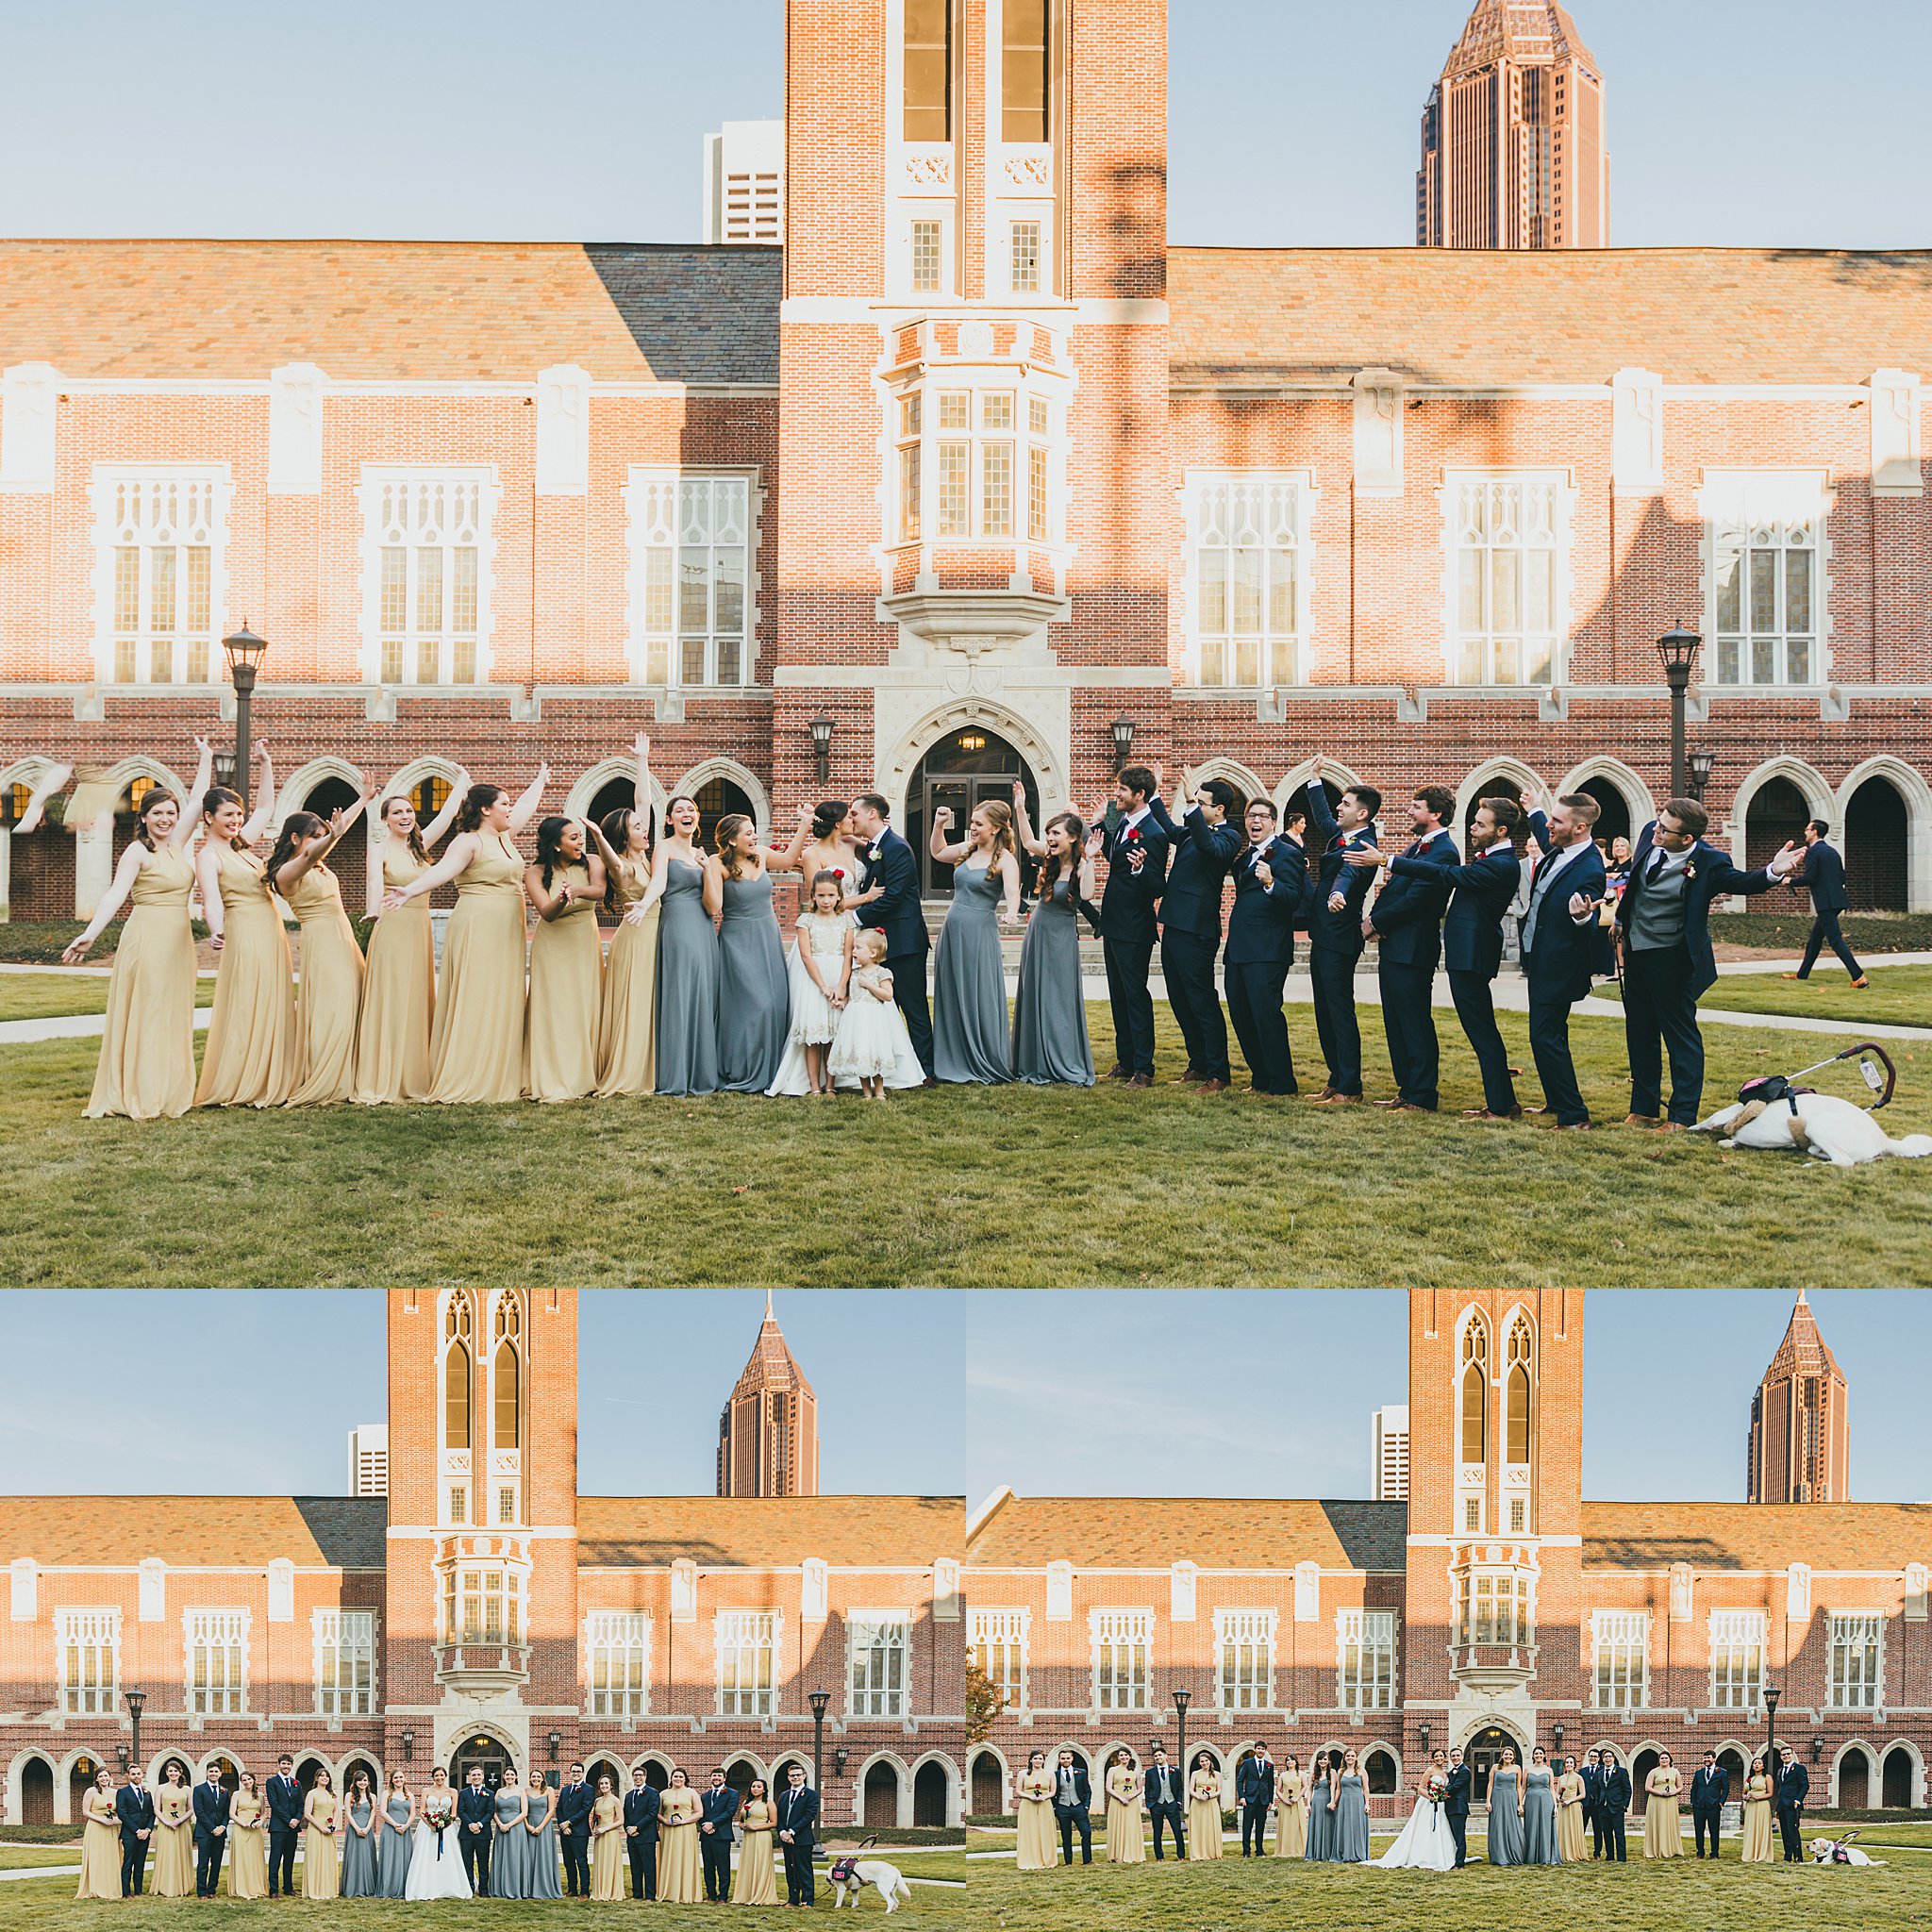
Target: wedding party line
[(521, 1841), (698, 993), (1542, 1813)]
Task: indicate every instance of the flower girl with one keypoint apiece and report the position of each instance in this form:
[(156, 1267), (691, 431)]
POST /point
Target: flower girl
[(871, 1039), (818, 985)]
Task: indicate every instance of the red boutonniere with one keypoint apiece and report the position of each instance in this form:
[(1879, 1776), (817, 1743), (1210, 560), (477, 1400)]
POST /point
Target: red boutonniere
[(1133, 835), (1690, 870)]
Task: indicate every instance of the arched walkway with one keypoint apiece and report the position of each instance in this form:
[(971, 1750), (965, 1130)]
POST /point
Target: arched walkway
[(932, 1793), (717, 787), (1498, 777), (1881, 832), (610, 786), (964, 770), (1900, 1784), (1851, 1779), (880, 1789), (1772, 805), (1482, 1750), (1624, 802), (1381, 1771), (987, 1779), (30, 1789), (1044, 762)]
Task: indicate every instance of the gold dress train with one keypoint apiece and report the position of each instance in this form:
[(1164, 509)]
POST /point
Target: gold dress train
[(146, 1068), (329, 998), (755, 1881), (626, 1026), (566, 992), (1125, 1841), (606, 1849), (250, 1057), (398, 993), (1760, 1846), (247, 1849), (1290, 1816), (1204, 1816), (680, 1866), (322, 1864), (100, 1849), (1035, 1851), (173, 1843), (1663, 1835), (476, 1044)]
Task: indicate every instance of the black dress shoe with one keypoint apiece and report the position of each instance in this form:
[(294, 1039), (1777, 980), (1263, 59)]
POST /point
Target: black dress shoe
[(1141, 1080)]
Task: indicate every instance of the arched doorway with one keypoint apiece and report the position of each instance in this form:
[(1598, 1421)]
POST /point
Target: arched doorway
[(37, 1792), (961, 771), (488, 1753), (1379, 1769), (307, 1767), (655, 1775), (1776, 815), (1491, 787), (346, 860), (738, 1774), (368, 1771), (929, 1794), (620, 794), (39, 867), (880, 1794), (124, 811), (1734, 1766), (989, 1787), (80, 1776), (1854, 1780), (1876, 846), (716, 798), (1641, 1768), (161, 1770), (1482, 1754), (1895, 1787), (229, 1773), (1612, 808), (604, 1765)]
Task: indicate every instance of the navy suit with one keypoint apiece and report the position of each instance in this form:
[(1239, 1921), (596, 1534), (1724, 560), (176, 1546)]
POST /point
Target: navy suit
[(1793, 1786), (1557, 956), (1614, 1801), (717, 1809), (899, 915), (1334, 938), (134, 1805), (476, 1808), (283, 1797), (1190, 932), (1126, 934), (1407, 918), (210, 1837), (641, 1805), (1260, 949), (1708, 1792), (1172, 1810), (798, 1813), (1072, 1807), (1254, 1786), (573, 1804), (1456, 1809), (1481, 892), (1823, 874)]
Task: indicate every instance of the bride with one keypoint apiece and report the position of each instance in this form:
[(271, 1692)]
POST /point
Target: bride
[(1426, 1844), (436, 1866)]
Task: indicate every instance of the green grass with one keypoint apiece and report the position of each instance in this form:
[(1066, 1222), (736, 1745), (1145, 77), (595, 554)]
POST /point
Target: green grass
[(1005, 1187), (49, 996), (13, 1858), (1786, 932), (1898, 995)]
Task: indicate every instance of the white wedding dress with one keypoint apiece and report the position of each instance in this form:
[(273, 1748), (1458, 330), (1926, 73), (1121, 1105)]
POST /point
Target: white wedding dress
[(432, 1876), (1426, 1844)]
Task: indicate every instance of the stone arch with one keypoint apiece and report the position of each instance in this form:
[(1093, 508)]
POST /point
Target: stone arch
[(1485, 778), (1296, 777), (731, 771), (1240, 776), (623, 770), (139, 765), (1808, 781), (989, 1776), (1637, 795), (933, 1789), (16, 1806), (292, 793), (1641, 1760), (649, 1761), (174, 1753), (1902, 1777), (1049, 768), (515, 1750), (1386, 1784), (1911, 786), (884, 1784), (1856, 1762)]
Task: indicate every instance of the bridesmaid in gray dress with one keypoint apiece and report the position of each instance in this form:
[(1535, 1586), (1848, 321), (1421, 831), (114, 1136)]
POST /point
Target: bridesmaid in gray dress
[(509, 1857), (1540, 1812), (1350, 1843), (394, 1838), (686, 996), (539, 1843), (1050, 1045), (754, 990), (360, 1878), (971, 1045), (1321, 1820), (1506, 1811)]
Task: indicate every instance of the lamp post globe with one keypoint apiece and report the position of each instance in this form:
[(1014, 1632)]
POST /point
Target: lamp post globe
[(1678, 650), (245, 651)]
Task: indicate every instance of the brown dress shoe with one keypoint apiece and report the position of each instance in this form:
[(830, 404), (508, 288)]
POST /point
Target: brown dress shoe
[(1639, 1120), (1215, 1086), (1191, 1075), (1574, 1126), (1141, 1080), (1118, 1072)]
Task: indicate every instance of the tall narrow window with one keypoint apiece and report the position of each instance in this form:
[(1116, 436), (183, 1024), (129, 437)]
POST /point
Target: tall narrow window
[(928, 71), (692, 546), (1475, 1391), (999, 1648), (1025, 259), (162, 534), (88, 1643), (927, 244), (429, 531), (1506, 543), (1766, 534), (344, 1662), (458, 1367), (1245, 543), (507, 1373), (1025, 70), (1122, 1644), (1516, 1391), (216, 1653), (617, 1662), (911, 412)]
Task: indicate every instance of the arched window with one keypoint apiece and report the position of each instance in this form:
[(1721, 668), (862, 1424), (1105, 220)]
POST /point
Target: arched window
[(1476, 1391), (507, 1373), (1519, 1352), (458, 1367)]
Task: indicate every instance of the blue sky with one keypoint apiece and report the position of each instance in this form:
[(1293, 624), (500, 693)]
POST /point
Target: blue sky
[(1778, 125), (1257, 1393), (186, 1393)]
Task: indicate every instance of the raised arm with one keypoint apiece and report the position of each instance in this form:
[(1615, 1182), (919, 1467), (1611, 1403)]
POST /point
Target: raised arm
[(290, 874), (263, 817), (788, 860), (525, 810), (641, 805), (198, 796), (54, 780), (111, 902), (1023, 826), (434, 831), (937, 845), (462, 849)]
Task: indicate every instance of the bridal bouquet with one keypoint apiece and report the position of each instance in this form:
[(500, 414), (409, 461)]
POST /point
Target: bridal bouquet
[(1435, 1787), (437, 1817)]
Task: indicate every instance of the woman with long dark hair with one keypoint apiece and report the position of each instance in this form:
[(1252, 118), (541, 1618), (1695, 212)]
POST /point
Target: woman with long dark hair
[(360, 1878), (970, 1042), (690, 890), (146, 1068), (753, 998), (565, 885), (1050, 1044), (627, 1025), (476, 1044)]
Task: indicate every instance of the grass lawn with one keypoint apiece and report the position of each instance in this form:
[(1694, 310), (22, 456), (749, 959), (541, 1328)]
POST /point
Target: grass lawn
[(13, 1858), (47, 996), (1004, 1187), (1898, 996)]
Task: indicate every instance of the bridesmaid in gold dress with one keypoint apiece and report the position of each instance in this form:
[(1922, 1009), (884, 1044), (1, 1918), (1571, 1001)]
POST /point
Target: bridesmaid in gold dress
[(146, 1068), (565, 885), (755, 1881), (679, 1867), (476, 1043), (248, 1841), (606, 1843), (1125, 1841), (1570, 1840), (1035, 1852), (250, 1057), (1760, 1840), (174, 1873), (1204, 1810), (399, 987), (1663, 1834), (100, 1841), (328, 1000), (322, 1859), (626, 1027), (1290, 1810)]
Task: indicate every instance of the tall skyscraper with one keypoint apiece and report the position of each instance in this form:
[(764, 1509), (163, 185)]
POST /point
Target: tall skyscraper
[(1513, 144), (1392, 1453), (744, 182), (1801, 1442), (369, 1460), (768, 1436)]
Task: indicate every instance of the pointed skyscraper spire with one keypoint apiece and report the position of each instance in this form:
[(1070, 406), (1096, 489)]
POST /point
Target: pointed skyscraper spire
[(1800, 1442), (768, 1435)]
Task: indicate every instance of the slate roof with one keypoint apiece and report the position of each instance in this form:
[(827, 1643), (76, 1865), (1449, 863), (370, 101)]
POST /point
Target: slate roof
[(1757, 1536), (240, 1532), (1217, 1533), (752, 1532)]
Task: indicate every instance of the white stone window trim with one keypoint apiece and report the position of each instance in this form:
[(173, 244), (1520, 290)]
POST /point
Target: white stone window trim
[(1003, 1630), (1799, 491), (749, 1631), (211, 1628), (1253, 1627), (1865, 1631), (346, 1633), (1363, 1637), (102, 484), (886, 1632), (1732, 1635), (1122, 1630), (369, 488), (922, 176), (1625, 1634), (1307, 494), (1563, 517), (94, 1627), (461, 1606), (622, 1638), (641, 480)]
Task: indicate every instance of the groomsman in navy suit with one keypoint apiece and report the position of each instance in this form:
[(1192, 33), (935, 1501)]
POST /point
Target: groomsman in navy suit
[(1455, 1805), (1825, 875), (134, 1805), (1558, 944), (1592, 1776), (1794, 1787), (1135, 848), (641, 1807), (1073, 1797), (1406, 919), (1254, 1785), (1165, 1787), (1335, 925), (1711, 1785), (1613, 1802), (897, 913), (1271, 894), (1205, 845), (573, 1802), (475, 1830), (283, 1797), (798, 1817), (717, 1807), (1663, 921), (210, 1834)]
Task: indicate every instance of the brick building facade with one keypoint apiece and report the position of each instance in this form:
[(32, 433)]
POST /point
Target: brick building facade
[(980, 469), (1496, 1606), (487, 1612)]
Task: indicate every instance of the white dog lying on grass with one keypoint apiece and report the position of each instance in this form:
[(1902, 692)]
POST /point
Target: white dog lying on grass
[(1826, 1850), (1835, 1130), (850, 1877)]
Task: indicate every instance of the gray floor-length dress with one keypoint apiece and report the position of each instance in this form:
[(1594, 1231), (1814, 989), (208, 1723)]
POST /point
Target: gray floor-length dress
[(540, 1850), (969, 1042), (754, 992), (1321, 1821), (1540, 1819), (687, 985), (1506, 1829), (1350, 1845), (508, 1862), (360, 1878), (394, 1840), (1049, 1014)]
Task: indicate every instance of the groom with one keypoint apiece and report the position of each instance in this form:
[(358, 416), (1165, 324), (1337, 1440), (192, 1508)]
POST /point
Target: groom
[(897, 913), (1455, 1805)]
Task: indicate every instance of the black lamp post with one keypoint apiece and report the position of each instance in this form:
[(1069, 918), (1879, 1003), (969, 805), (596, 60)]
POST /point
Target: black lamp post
[(1181, 1699), (555, 1743), (1771, 1694), (1678, 649), (1557, 1732), (408, 1747), (822, 747), (245, 651), (818, 1700), (1702, 764), (135, 1700), (1123, 729)]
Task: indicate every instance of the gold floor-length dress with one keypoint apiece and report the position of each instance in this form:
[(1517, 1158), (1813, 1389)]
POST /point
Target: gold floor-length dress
[(755, 1881), (1035, 1851), (173, 1843), (146, 1068), (1570, 1841), (606, 1849), (626, 1027), (100, 1849), (329, 1000), (1759, 1845), (322, 1863), (1663, 1837), (247, 1850), (1290, 1816), (1125, 1843), (250, 1057), (476, 1044), (680, 1870), (1204, 1815), (566, 995), (398, 993)]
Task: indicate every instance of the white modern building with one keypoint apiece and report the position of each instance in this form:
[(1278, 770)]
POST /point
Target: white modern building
[(1391, 1454), (744, 182), (369, 1460)]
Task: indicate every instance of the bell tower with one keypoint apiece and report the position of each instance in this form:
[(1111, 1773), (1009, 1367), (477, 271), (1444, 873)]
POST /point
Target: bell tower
[(480, 1649)]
